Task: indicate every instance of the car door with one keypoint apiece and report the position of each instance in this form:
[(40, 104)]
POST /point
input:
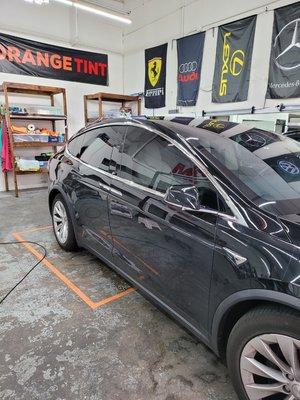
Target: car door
[(167, 250), (92, 186)]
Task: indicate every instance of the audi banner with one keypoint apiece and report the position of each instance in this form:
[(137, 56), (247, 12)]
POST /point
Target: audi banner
[(189, 53), (233, 61), (155, 76), (284, 72)]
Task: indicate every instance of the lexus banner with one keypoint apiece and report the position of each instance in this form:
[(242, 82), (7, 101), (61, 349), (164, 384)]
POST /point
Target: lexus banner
[(284, 72), (27, 57), (233, 61), (155, 76), (189, 53)]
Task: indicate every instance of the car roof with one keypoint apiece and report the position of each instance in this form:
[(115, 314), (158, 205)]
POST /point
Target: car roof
[(184, 126)]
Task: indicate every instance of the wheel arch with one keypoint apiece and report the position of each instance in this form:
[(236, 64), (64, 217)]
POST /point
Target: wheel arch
[(236, 305)]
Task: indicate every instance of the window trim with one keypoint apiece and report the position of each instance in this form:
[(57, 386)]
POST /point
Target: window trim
[(236, 217)]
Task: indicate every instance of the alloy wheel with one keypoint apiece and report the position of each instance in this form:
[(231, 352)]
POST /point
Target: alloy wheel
[(60, 222), (270, 367)]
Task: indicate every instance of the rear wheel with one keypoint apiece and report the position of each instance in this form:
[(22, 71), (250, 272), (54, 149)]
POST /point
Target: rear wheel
[(263, 354), (62, 224)]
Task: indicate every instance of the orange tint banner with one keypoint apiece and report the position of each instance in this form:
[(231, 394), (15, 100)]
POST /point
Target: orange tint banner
[(26, 57)]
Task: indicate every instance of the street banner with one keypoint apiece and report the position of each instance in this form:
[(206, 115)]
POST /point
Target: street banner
[(284, 71), (27, 57), (155, 76), (233, 61), (189, 53)]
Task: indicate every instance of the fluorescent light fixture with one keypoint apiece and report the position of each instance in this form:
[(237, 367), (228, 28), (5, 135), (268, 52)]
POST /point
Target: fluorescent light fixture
[(94, 10), (39, 2), (228, 112)]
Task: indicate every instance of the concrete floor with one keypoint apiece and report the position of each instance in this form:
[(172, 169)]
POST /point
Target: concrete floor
[(55, 346)]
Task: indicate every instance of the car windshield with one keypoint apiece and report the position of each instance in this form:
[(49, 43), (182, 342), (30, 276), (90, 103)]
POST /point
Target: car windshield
[(267, 163)]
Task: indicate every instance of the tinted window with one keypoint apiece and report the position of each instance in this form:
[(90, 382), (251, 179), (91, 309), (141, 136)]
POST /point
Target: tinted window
[(74, 144), (155, 163), (98, 145)]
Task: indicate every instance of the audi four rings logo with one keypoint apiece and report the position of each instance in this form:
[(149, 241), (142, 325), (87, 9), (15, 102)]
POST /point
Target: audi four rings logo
[(288, 167), (287, 45), (188, 67)]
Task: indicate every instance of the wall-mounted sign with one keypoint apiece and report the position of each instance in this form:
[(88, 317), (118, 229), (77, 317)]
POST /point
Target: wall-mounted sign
[(155, 76), (26, 57), (284, 73), (233, 61), (189, 53)]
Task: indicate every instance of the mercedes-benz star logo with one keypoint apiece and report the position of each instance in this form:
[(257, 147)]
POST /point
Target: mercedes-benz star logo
[(252, 140), (288, 167), (287, 45)]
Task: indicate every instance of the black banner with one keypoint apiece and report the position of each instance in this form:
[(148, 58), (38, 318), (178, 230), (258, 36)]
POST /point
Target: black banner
[(155, 76), (284, 72), (233, 61), (26, 57), (189, 53)]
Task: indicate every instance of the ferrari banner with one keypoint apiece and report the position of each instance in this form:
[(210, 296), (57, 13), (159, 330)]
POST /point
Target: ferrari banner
[(189, 53), (233, 61), (284, 72), (26, 57), (155, 76)]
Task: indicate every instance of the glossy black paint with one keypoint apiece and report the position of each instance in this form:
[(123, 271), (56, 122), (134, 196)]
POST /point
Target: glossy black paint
[(184, 260)]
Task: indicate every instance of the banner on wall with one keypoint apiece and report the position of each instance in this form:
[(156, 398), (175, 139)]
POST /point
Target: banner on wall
[(26, 57), (233, 61), (155, 76), (189, 53), (284, 72)]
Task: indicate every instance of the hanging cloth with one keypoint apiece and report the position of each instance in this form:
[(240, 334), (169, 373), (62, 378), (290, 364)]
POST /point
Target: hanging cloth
[(7, 164), (1, 128)]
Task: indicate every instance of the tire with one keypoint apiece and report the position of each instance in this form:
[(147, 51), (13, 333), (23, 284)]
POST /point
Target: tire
[(59, 212), (262, 329)]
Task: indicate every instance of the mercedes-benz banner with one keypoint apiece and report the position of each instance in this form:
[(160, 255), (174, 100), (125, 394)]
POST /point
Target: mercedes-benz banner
[(233, 61), (155, 76), (284, 73), (189, 53)]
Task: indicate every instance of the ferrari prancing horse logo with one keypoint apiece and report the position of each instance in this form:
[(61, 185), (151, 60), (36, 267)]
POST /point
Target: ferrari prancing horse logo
[(154, 70)]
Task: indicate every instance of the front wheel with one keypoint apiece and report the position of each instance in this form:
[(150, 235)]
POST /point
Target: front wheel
[(263, 354), (62, 224)]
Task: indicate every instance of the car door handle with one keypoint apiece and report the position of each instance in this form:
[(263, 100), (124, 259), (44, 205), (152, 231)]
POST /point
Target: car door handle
[(104, 187), (110, 190)]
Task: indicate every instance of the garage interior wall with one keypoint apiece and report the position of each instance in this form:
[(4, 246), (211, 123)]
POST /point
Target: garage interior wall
[(153, 22), (59, 25), (156, 22)]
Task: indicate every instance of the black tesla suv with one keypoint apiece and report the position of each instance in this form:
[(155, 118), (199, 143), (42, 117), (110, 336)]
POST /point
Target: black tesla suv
[(203, 217)]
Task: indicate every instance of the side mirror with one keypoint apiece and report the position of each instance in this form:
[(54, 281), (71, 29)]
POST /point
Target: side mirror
[(184, 197)]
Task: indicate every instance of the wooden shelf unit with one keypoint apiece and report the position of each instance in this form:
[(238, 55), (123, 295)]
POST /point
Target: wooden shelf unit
[(109, 97), (8, 88)]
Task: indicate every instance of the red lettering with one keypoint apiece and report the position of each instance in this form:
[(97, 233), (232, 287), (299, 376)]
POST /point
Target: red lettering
[(102, 67), (93, 68), (78, 62)]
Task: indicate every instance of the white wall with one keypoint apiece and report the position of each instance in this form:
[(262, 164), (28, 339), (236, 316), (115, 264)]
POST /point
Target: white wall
[(157, 22), (57, 24)]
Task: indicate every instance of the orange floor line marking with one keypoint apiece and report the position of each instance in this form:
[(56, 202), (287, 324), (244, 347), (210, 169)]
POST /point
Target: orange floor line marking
[(92, 304), (113, 298), (55, 271)]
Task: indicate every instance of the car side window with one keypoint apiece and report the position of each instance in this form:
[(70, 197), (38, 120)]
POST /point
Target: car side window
[(153, 162), (75, 144), (98, 145)]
